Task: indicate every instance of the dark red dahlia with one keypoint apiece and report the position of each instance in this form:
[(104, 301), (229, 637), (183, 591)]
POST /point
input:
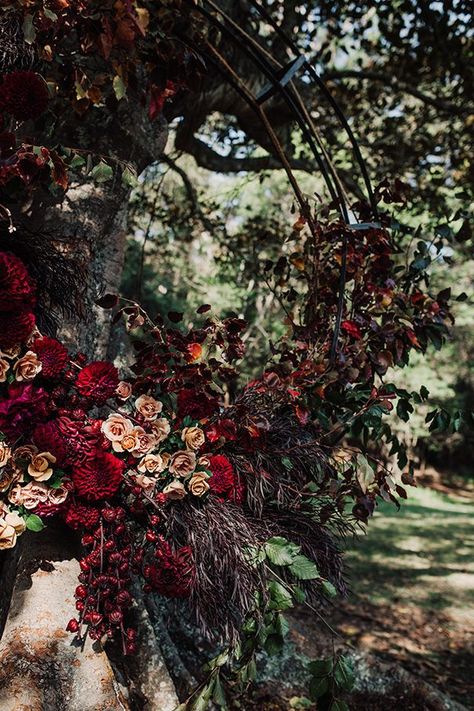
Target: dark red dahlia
[(98, 477), (24, 95), (24, 408), (48, 509), (15, 328), (17, 289), (48, 438), (82, 516), (173, 574), (98, 381), (197, 405), (224, 482), (52, 354)]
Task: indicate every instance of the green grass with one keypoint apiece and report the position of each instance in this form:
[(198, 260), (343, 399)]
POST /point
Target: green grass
[(421, 555)]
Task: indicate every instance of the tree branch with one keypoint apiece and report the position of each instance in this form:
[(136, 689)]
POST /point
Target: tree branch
[(388, 79)]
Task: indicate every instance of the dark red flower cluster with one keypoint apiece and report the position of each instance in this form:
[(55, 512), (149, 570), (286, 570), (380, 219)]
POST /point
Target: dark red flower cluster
[(24, 95), (52, 354), (173, 573), (21, 411), (98, 477), (224, 482), (17, 300), (197, 405), (98, 381), (48, 438), (81, 516)]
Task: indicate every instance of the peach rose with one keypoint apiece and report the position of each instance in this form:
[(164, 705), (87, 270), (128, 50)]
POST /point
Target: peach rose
[(12, 352), (204, 461), (9, 475), (25, 452), (151, 464), (15, 495), (5, 454), (183, 463), (166, 459), (124, 390), (27, 367), (58, 496), (130, 442), (39, 467), (8, 535), (115, 427), (175, 490), (146, 483), (148, 407), (160, 429), (193, 437), (4, 366), (33, 494), (146, 442), (198, 485)]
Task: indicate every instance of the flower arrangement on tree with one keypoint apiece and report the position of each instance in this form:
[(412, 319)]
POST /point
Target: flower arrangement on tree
[(236, 507)]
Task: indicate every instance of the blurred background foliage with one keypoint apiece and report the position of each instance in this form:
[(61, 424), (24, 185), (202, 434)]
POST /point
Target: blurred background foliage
[(401, 73)]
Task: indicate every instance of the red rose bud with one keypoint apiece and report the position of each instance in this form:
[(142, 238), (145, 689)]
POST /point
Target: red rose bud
[(95, 618), (80, 606), (72, 626), (124, 598), (109, 515), (151, 537), (109, 545), (87, 540), (85, 567), (120, 529), (155, 520), (116, 617), (147, 588), (81, 592), (115, 558)]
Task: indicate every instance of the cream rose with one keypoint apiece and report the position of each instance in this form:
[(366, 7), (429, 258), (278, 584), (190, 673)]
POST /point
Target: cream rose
[(160, 429), (198, 485), (148, 407), (8, 476), (26, 452), (15, 495), (8, 535), (130, 441), (175, 490), (115, 427), (124, 390), (39, 468), (16, 521), (27, 367), (151, 464), (182, 463), (4, 366), (5, 454), (204, 461), (193, 437)]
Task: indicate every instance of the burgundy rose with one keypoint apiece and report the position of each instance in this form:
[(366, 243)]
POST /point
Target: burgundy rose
[(98, 477), (25, 406), (24, 95), (98, 381), (48, 438), (197, 405)]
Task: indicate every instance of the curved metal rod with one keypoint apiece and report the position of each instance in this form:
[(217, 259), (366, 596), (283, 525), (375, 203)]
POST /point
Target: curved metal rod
[(336, 192), (337, 109)]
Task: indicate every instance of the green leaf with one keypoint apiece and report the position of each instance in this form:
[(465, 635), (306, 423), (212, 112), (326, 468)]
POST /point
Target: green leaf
[(339, 705), (344, 674), (318, 686), (303, 568), (219, 694), (365, 473), (34, 523), (102, 172), (280, 551), (300, 702), (29, 31), (287, 463), (328, 589), (274, 644), (321, 667), (119, 87), (280, 598)]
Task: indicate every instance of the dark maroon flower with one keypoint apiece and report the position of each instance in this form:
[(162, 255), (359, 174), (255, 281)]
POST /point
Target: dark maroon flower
[(52, 354), (173, 574), (48, 438), (17, 289), (222, 428), (25, 406), (98, 477), (82, 516), (224, 483), (98, 381), (15, 329), (24, 95)]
